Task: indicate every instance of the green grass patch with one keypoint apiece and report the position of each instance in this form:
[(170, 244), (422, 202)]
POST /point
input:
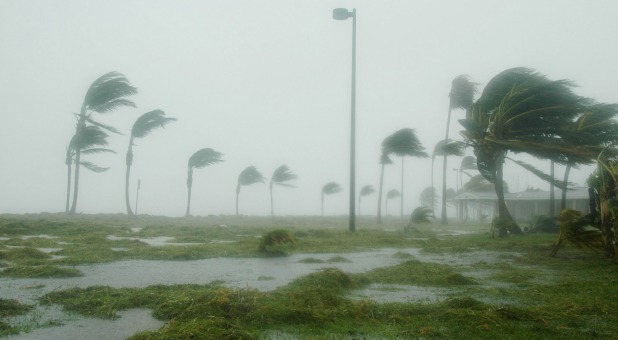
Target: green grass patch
[(44, 271), (414, 272)]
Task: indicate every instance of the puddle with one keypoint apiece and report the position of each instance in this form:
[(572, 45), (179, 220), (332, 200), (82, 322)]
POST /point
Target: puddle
[(159, 241), (119, 249), (136, 229), (49, 237)]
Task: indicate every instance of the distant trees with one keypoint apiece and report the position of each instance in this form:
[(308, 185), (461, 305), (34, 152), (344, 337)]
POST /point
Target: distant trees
[(384, 160), (280, 177), (104, 95), (391, 194), (199, 159), (329, 188), (249, 176), (365, 191), (142, 127)]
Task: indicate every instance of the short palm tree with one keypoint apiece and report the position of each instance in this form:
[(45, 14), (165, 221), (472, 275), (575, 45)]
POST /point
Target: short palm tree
[(90, 140), (106, 94), (280, 177), (391, 194), (428, 197), (404, 143), (365, 191), (249, 176), (198, 160), (384, 160), (329, 188), (142, 127), (460, 97)]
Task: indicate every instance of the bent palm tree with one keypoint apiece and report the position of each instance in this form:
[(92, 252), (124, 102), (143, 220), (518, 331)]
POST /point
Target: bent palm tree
[(460, 97), (329, 189), (106, 94), (365, 191), (384, 160), (249, 176), (199, 159), (391, 194), (404, 143), (281, 175), (141, 128), (90, 140), (428, 197)]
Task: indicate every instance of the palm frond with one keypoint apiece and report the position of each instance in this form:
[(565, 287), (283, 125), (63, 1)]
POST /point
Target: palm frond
[(540, 174), (478, 184), (103, 126), (107, 93), (250, 176), (429, 197), (421, 215), (97, 150), (331, 188), (283, 174), (204, 157), (88, 137), (393, 193), (462, 92), (438, 149), (149, 121), (93, 167), (367, 190), (455, 148), (384, 159), (404, 142), (468, 163)]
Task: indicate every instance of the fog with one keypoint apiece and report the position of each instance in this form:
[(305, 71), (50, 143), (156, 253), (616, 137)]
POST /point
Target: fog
[(268, 83)]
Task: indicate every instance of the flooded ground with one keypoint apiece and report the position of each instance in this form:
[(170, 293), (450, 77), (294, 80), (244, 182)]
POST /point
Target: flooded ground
[(259, 273)]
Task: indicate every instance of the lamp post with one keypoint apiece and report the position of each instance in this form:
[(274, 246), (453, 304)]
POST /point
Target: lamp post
[(344, 14)]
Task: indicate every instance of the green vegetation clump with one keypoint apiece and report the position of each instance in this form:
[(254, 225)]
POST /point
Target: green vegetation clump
[(414, 272), (13, 308), (44, 271), (272, 242)]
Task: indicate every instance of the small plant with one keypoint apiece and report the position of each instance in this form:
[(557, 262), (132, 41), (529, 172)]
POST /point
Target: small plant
[(272, 240)]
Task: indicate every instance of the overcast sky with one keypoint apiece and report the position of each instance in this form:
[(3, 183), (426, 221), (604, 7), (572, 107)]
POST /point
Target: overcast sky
[(268, 83)]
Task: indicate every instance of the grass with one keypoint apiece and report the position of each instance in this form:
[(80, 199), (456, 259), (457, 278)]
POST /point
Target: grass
[(522, 294)]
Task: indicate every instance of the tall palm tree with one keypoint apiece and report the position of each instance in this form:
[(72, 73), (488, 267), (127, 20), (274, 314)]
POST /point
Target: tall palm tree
[(460, 97), (280, 177), (329, 188), (523, 111), (106, 94), (404, 143), (198, 160), (391, 194), (365, 191), (384, 160), (142, 127), (90, 140), (249, 176)]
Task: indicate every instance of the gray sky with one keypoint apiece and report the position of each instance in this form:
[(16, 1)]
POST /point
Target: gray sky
[(268, 83)]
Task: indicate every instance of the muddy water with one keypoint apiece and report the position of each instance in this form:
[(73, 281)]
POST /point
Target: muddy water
[(259, 273)]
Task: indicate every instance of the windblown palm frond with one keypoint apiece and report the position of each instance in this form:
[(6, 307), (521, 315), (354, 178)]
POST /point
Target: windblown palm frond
[(478, 184), (393, 193), (429, 197), (107, 93), (384, 159), (367, 190), (93, 167), (281, 175), (249, 176), (88, 137), (204, 157), (578, 230), (462, 92), (103, 126), (404, 142), (540, 174), (421, 215), (149, 121), (455, 148), (438, 149), (331, 188)]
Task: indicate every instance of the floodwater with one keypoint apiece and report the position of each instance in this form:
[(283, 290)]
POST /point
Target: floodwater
[(259, 273)]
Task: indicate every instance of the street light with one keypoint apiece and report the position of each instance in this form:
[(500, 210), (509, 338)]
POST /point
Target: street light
[(343, 14)]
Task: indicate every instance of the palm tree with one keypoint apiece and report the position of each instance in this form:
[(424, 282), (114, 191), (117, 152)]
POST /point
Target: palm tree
[(281, 175), (460, 97), (393, 193), (523, 111), (403, 143), (467, 163), (384, 160), (249, 176), (90, 140), (198, 160), (141, 128), (329, 189), (444, 148), (106, 94), (365, 191), (428, 197)]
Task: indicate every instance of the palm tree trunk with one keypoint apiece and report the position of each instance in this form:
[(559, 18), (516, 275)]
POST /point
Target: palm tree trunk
[(503, 211), (564, 190), (359, 208), (189, 185), (76, 178), (272, 210), (443, 217), (380, 195), (401, 212), (129, 161), (237, 195), (68, 187), (552, 195), (322, 204), (433, 196)]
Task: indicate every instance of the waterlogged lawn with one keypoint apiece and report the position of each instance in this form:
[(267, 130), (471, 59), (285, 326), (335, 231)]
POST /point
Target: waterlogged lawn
[(485, 288)]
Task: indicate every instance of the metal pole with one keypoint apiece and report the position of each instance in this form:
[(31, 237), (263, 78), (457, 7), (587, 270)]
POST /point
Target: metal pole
[(353, 130)]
